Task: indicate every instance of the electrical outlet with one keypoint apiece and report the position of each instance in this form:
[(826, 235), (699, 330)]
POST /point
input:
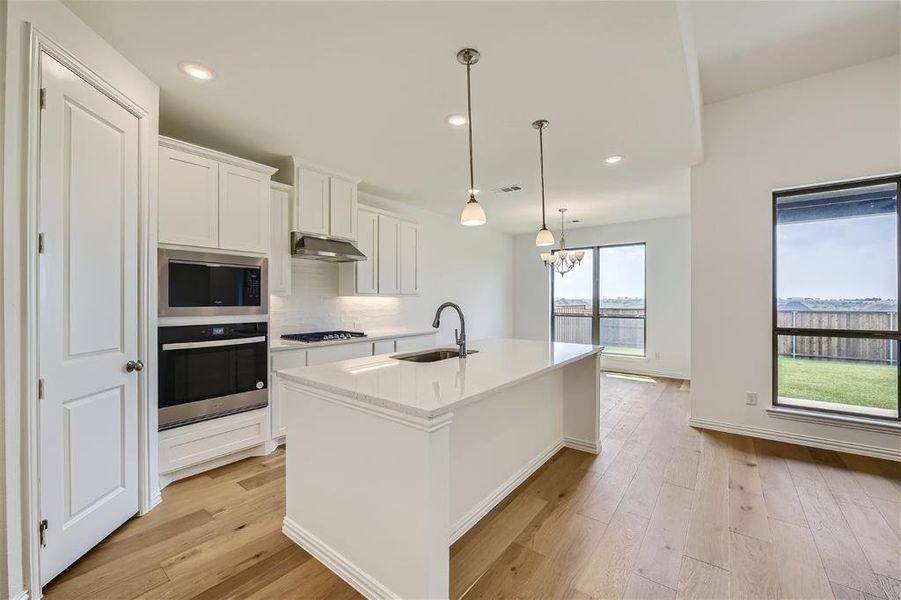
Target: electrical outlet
[(751, 398)]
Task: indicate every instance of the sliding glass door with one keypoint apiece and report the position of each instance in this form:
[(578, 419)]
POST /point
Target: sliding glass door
[(602, 301)]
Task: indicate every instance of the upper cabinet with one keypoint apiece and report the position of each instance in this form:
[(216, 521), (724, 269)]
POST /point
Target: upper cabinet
[(282, 197), (391, 245), (188, 199), (326, 202), (212, 200), (312, 204)]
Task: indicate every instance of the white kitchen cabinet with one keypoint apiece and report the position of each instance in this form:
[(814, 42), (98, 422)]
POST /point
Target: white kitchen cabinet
[(311, 213), (342, 208), (280, 240), (366, 272), (327, 354), (212, 200), (391, 244), (409, 258), (382, 347), (389, 255), (277, 411), (411, 344), (188, 199), (243, 209)]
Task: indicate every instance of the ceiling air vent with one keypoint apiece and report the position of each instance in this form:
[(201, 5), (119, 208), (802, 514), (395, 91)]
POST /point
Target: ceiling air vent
[(507, 189)]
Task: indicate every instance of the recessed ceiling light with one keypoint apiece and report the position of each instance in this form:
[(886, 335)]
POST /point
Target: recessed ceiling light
[(456, 120), (197, 71), (612, 160)]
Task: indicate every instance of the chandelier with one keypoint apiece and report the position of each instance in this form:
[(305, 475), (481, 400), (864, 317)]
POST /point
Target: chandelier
[(562, 260)]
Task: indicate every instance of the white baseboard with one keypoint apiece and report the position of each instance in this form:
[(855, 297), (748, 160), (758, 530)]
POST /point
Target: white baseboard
[(23, 595), (337, 562), (797, 438), (583, 445), (491, 500)]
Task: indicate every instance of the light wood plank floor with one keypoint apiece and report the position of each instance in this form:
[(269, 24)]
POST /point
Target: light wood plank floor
[(665, 511)]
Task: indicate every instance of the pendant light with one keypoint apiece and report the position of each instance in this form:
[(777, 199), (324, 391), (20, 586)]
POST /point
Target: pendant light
[(544, 237), (472, 214)]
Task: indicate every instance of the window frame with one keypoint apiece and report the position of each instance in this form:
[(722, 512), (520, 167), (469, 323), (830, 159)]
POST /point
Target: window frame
[(595, 315), (842, 333)]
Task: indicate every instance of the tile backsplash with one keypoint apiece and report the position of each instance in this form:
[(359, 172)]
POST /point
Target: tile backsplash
[(314, 304)]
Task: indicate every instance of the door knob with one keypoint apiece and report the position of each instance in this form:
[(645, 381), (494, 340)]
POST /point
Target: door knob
[(134, 365)]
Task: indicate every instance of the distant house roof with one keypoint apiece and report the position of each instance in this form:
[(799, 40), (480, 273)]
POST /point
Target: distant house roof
[(794, 305)]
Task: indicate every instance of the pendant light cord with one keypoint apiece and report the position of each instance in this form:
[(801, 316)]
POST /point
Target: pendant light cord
[(541, 158), (472, 186)]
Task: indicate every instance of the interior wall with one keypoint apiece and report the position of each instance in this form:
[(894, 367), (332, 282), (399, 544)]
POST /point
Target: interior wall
[(471, 266), (840, 125), (668, 291), (58, 23)]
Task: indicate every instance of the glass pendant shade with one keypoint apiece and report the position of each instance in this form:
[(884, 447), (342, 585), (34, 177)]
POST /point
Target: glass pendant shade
[(473, 214), (544, 237)]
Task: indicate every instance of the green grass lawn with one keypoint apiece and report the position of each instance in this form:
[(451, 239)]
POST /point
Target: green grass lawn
[(843, 382)]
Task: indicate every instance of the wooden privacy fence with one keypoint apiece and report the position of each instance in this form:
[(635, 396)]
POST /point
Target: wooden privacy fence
[(867, 350), (573, 324)]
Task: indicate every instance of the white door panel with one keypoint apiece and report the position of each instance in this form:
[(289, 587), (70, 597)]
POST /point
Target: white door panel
[(188, 199), (243, 209), (87, 316)]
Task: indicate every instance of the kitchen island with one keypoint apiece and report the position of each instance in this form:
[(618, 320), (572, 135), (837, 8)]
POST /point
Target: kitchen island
[(390, 461)]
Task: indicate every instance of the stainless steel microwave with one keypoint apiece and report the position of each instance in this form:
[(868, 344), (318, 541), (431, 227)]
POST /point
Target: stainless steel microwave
[(207, 284)]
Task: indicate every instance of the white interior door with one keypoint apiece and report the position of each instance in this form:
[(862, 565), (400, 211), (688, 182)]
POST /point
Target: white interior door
[(87, 317)]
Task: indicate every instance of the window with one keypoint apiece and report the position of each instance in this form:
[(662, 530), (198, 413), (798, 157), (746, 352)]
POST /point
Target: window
[(835, 304), (602, 301)]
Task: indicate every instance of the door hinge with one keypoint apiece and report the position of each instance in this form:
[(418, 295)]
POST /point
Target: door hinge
[(40, 389), (42, 528), (43, 98), (40, 243)]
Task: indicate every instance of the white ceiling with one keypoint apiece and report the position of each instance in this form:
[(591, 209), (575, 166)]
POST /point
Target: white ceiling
[(365, 88), (745, 46)]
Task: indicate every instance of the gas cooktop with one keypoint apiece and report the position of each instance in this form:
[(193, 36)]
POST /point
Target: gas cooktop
[(322, 336)]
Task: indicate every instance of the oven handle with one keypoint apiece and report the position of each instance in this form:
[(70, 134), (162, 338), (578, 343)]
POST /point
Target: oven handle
[(214, 343)]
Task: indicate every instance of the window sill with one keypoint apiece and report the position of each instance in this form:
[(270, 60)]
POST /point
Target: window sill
[(835, 420), (625, 356)]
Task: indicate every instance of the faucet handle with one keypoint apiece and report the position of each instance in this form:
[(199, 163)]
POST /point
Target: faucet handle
[(457, 335)]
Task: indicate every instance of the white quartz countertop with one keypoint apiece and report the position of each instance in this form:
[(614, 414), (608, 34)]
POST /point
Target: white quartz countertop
[(429, 390), (278, 345)]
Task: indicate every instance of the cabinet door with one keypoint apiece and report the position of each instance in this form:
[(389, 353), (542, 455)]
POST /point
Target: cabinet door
[(280, 242), (327, 354), (389, 255), (342, 209), (367, 271), (243, 209), (276, 410), (409, 258), (188, 199), (311, 212), (411, 344)]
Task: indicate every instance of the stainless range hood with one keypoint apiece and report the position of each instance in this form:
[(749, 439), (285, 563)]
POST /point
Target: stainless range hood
[(323, 248)]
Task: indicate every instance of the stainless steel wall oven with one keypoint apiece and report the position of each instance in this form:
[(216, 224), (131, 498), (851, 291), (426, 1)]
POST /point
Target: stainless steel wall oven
[(206, 371)]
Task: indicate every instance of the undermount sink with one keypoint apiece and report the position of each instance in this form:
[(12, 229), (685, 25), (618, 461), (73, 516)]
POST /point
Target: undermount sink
[(431, 355)]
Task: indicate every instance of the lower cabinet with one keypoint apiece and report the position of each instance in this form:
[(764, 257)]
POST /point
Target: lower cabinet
[(197, 447), (288, 359)]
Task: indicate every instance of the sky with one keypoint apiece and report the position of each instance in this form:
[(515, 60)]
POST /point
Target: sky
[(622, 275), (838, 259)]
